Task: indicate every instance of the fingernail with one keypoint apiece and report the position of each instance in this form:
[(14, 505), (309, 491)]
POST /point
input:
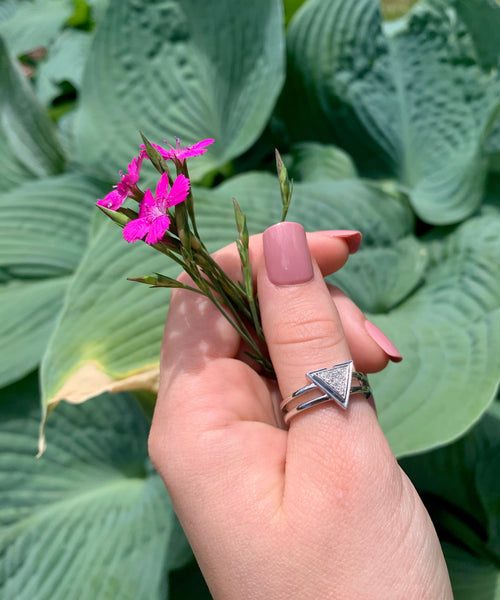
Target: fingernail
[(383, 341), (286, 253), (351, 238)]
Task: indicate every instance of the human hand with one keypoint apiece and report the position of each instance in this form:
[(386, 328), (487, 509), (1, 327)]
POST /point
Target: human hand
[(319, 511)]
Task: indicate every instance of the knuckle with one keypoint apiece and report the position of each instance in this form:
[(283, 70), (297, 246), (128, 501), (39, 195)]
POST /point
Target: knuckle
[(318, 333)]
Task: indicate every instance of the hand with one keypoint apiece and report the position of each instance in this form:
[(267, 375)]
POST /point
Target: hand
[(319, 511)]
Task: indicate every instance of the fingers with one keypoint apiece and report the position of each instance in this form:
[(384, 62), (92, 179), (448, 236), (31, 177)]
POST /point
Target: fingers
[(304, 332), (369, 347), (198, 331)]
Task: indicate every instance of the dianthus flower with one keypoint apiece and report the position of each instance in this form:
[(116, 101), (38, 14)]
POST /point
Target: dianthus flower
[(127, 186), (153, 219), (182, 153)]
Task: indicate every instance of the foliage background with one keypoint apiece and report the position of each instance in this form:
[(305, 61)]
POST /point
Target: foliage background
[(388, 117)]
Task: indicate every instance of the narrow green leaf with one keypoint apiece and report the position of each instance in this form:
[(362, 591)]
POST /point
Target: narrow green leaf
[(286, 186)]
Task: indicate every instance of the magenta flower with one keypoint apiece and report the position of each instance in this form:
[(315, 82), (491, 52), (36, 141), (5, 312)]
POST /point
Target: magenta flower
[(182, 153), (127, 185), (153, 219)]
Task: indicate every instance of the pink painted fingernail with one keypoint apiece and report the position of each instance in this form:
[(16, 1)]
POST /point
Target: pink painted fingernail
[(351, 238), (383, 341), (286, 253)]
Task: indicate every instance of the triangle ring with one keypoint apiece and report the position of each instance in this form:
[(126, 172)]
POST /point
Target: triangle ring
[(334, 384)]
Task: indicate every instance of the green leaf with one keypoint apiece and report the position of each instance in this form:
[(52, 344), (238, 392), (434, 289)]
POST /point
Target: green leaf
[(43, 233), (34, 24), (65, 62), (213, 70), (313, 162), (415, 96), (90, 515), (109, 333), (28, 313), (44, 226), (459, 485), (471, 577), (291, 7), (25, 126), (439, 302), (447, 332)]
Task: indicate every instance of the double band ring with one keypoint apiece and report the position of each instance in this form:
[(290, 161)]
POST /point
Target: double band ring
[(335, 384)]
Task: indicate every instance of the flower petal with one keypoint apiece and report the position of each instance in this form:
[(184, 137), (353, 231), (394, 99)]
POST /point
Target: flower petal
[(179, 191), (147, 208), (161, 193), (157, 229), (135, 230), (113, 200), (194, 150)]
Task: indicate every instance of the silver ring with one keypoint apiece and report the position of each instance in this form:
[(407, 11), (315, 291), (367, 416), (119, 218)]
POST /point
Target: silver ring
[(334, 384)]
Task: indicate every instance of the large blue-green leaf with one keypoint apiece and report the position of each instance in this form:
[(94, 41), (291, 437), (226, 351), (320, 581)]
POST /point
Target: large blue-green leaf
[(447, 332), (65, 63), (90, 518), (28, 312), (472, 578), (311, 161), (460, 487), (27, 136), (416, 96), (186, 68), (34, 24), (439, 301), (43, 234)]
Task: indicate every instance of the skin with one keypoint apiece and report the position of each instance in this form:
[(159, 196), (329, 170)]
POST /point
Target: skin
[(319, 511)]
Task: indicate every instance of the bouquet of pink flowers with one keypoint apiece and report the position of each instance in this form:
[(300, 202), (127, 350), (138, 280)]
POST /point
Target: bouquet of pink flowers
[(166, 221)]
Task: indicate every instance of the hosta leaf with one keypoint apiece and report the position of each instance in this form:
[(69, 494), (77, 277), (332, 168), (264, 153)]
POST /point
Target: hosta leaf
[(7, 9), (34, 24), (90, 518), (213, 71), (44, 226), (471, 577), (43, 234), (447, 332), (109, 334), (313, 162), (416, 97), (291, 7), (438, 301), (28, 311), (65, 62), (27, 136), (459, 485)]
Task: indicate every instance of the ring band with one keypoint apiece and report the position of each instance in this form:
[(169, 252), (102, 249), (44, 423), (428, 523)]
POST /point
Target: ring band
[(333, 384)]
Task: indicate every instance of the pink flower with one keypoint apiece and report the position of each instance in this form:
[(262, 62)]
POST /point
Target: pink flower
[(183, 153), (125, 187), (153, 219)]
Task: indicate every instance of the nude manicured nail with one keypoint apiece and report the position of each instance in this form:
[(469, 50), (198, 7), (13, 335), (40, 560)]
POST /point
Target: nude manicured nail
[(286, 253), (351, 238), (383, 341)]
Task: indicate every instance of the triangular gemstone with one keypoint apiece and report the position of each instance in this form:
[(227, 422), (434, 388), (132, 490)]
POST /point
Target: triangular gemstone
[(335, 382)]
